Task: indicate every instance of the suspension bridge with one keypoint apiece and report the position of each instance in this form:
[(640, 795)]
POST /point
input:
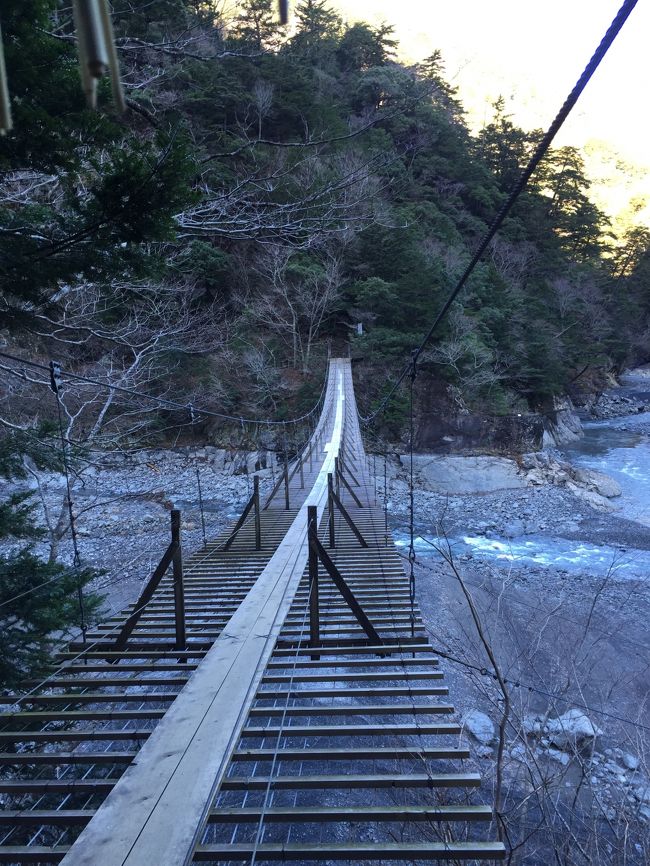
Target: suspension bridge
[(271, 697)]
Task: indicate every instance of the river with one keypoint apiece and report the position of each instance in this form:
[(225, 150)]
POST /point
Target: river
[(620, 448)]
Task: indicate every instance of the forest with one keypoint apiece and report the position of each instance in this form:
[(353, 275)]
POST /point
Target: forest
[(271, 195)]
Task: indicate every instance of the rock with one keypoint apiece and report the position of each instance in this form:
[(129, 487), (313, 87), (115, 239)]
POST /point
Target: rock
[(594, 499), (518, 752), (642, 792), (572, 730), (461, 475), (514, 529), (561, 424), (597, 481), (631, 762), (531, 725), (480, 726), (560, 757)]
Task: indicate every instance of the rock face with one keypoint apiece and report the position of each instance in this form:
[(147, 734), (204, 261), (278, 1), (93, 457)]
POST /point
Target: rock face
[(596, 488), (480, 726), (458, 475), (462, 475), (561, 423), (615, 406)]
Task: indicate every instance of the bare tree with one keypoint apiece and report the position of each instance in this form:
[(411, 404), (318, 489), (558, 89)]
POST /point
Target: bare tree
[(296, 300), (132, 340)]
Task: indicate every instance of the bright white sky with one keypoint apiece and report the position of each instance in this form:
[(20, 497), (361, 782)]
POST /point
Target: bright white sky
[(532, 53)]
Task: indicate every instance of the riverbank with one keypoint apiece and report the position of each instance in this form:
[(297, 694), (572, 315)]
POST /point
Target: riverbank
[(559, 584)]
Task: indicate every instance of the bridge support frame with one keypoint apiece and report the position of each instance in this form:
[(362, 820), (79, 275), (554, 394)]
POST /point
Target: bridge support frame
[(341, 477), (332, 500), (172, 556), (253, 503), (317, 553)]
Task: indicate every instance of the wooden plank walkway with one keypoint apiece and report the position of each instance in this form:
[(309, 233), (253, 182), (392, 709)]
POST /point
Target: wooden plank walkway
[(248, 745)]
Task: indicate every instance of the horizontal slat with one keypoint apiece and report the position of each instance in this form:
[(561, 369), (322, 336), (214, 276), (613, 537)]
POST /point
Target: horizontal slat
[(44, 786), (405, 851), (354, 710), (352, 780), (351, 730), (318, 814), (82, 716), (103, 697), (32, 853), (378, 753), (74, 734), (377, 692), (45, 817), (66, 758)]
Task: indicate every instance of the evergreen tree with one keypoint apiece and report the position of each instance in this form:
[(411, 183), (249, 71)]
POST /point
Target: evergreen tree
[(317, 29), (39, 601), (256, 25)]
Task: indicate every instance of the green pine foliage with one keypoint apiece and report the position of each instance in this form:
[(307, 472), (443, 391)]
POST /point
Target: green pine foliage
[(39, 601)]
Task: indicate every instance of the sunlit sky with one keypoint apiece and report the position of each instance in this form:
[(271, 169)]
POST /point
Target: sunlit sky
[(532, 53)]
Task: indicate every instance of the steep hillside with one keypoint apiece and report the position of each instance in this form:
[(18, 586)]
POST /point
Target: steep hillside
[(269, 193)]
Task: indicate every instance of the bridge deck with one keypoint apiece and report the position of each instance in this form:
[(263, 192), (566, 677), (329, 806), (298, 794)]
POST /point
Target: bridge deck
[(250, 745)]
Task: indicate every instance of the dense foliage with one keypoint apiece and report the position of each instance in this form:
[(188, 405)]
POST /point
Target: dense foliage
[(296, 186)]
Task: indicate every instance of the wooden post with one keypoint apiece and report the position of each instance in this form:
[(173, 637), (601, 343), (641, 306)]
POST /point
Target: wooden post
[(314, 606), (374, 474), (302, 474), (256, 506), (286, 482), (179, 595), (337, 475), (385, 502), (330, 508)]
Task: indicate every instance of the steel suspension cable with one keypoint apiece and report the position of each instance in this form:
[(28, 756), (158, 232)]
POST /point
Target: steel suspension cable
[(162, 401)]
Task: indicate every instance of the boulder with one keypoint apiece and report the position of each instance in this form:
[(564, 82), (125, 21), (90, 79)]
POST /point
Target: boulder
[(480, 726), (514, 529), (590, 496), (572, 730), (455, 475), (630, 762), (597, 481)]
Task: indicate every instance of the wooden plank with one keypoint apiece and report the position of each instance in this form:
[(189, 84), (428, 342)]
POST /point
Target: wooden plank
[(351, 730), (19, 787), (82, 715), (92, 735), (354, 814), (349, 693), (45, 817), (413, 753), (352, 677), (59, 758), (353, 710), (32, 854), (346, 781), (403, 851)]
